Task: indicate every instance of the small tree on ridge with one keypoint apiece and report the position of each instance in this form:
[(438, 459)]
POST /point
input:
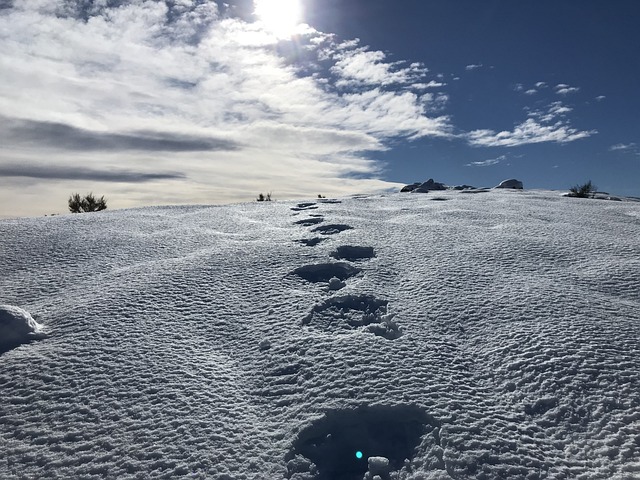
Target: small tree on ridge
[(88, 203)]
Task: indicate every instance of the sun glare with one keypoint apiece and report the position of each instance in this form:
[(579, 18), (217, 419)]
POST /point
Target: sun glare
[(279, 17)]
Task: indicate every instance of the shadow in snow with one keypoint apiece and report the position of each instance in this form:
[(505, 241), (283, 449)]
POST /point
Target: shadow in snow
[(340, 443)]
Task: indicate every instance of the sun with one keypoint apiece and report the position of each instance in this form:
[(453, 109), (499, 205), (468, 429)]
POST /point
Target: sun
[(279, 17)]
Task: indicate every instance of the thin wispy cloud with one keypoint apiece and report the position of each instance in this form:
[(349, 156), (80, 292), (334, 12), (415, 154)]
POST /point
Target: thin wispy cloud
[(488, 163), (66, 137), (43, 171), (631, 148), (564, 89), (622, 147), (473, 67)]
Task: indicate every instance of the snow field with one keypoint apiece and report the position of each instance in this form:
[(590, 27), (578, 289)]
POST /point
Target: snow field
[(183, 343)]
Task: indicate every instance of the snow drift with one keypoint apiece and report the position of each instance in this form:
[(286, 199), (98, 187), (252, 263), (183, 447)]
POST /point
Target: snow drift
[(17, 327)]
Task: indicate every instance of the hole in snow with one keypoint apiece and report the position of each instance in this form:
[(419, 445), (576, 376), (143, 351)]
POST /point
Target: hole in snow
[(311, 242), (349, 252), (304, 206), (331, 229), (341, 442), (323, 272), (350, 312), (307, 222)]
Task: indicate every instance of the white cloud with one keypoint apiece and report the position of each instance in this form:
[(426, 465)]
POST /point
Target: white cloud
[(541, 85), (547, 125), (531, 91), (599, 98), (153, 82), (358, 66), (564, 89), (528, 132), (473, 67), (554, 110), (487, 163), (622, 147), (431, 84)]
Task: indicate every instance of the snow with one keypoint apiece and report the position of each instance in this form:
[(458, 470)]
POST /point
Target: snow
[(511, 183), (479, 336), (17, 326)]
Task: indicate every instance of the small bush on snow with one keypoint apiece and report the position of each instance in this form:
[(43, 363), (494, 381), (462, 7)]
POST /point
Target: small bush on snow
[(88, 203), (585, 190)]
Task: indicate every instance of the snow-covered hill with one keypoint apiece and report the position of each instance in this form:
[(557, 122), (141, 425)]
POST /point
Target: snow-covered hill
[(457, 335)]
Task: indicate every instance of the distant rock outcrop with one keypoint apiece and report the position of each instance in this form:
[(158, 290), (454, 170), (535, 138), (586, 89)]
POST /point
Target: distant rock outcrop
[(511, 183), (410, 188), (424, 187), (430, 185)]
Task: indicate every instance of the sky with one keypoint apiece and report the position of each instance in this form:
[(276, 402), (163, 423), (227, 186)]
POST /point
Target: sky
[(204, 102)]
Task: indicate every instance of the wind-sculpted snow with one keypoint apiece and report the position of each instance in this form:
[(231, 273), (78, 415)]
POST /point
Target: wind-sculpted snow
[(17, 326), (180, 344)]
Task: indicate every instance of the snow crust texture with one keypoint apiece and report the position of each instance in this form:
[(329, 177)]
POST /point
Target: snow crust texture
[(485, 336)]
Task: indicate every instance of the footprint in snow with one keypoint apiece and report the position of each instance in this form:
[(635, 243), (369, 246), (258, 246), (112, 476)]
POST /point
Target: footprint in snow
[(349, 252), (331, 229), (347, 313), (348, 444), (308, 222), (283, 381), (311, 242), (324, 272), (304, 206)]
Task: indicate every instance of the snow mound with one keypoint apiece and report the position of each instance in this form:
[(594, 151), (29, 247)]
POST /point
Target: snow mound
[(511, 183), (17, 327)]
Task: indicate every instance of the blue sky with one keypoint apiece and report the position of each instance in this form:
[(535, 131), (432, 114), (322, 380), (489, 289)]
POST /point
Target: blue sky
[(504, 61), (193, 101)]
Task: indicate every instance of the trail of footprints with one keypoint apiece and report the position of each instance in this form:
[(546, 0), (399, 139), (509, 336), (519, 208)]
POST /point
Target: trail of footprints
[(342, 314), (345, 443), (286, 374)]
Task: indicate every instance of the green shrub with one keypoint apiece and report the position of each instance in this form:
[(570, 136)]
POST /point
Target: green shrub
[(586, 190), (264, 198), (88, 203)]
